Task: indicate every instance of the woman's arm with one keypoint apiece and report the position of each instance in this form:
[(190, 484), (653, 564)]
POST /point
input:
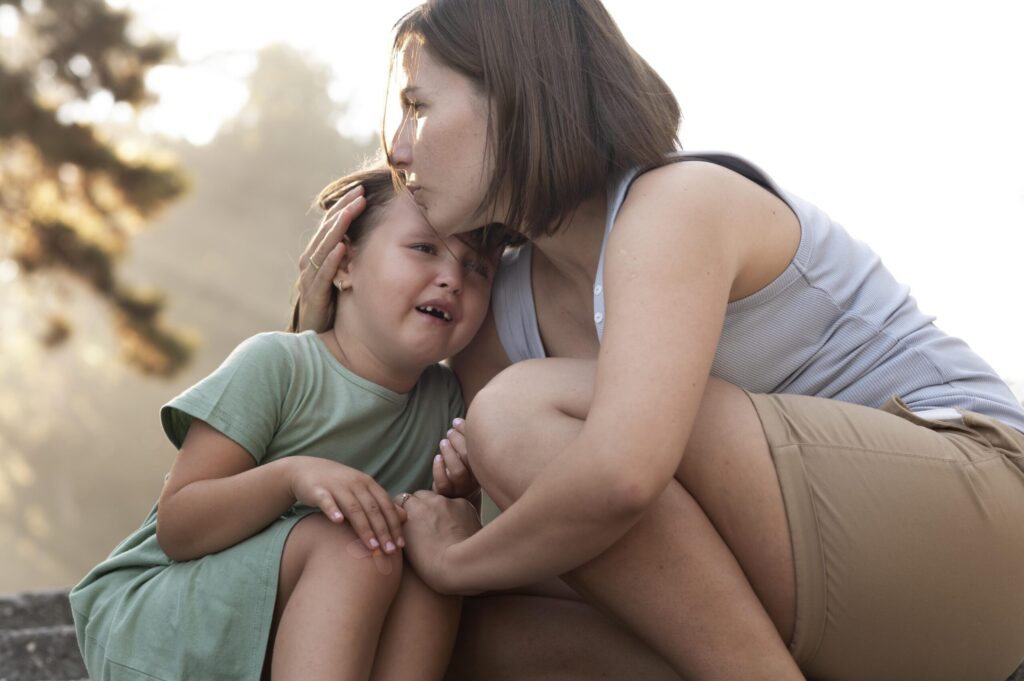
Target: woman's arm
[(215, 496), (319, 263), (671, 264)]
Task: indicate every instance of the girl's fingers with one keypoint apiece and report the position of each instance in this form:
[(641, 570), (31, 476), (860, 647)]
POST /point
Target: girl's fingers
[(456, 470), (329, 507), (459, 425), (458, 440), (390, 512), (442, 485), (356, 516), (375, 517)]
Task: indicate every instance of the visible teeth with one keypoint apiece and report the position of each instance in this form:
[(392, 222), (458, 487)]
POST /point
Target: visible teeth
[(427, 308)]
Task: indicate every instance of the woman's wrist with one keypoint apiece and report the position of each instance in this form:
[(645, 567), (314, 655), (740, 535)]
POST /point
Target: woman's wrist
[(453, 571)]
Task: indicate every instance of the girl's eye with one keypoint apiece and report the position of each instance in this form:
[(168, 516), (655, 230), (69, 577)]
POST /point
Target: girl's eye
[(424, 248)]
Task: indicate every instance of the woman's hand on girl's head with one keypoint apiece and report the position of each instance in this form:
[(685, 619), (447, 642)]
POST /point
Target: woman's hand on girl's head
[(453, 476), (346, 494), (319, 262), (435, 524)]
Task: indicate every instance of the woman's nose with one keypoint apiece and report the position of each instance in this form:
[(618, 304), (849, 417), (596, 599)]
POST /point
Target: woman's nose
[(401, 145)]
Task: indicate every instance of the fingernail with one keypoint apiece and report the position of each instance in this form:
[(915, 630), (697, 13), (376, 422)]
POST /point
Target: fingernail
[(450, 431), (389, 547), (458, 422), (437, 459), (374, 543), (446, 443), (401, 542), (336, 515)]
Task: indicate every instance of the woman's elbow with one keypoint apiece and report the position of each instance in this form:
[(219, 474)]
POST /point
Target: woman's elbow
[(631, 495)]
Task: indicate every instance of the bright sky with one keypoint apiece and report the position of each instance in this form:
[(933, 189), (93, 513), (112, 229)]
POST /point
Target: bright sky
[(904, 119)]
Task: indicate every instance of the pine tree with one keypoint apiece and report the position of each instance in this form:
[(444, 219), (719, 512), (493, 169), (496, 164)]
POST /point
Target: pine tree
[(70, 198)]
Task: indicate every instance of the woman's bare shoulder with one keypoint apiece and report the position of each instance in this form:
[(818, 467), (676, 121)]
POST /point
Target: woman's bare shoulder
[(752, 227)]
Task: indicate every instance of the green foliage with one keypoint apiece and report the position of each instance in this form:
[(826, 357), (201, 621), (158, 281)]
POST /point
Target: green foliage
[(70, 199)]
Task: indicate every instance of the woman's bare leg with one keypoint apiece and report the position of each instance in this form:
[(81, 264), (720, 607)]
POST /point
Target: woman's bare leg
[(706, 576), (419, 633), (330, 605), (520, 637)]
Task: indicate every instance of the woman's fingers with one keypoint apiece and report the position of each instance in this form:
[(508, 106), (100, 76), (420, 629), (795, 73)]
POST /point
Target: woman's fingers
[(330, 221), (336, 227)]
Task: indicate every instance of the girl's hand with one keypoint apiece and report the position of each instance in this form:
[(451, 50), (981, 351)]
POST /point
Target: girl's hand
[(344, 493), (319, 262), (435, 523), (452, 475)]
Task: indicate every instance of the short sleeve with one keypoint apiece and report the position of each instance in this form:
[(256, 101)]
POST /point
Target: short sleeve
[(243, 399)]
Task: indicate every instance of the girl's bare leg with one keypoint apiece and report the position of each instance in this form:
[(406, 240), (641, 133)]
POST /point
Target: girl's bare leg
[(330, 606), (419, 633), (706, 576)]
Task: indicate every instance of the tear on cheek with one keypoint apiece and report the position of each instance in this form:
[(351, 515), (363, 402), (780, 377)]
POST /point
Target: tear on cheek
[(381, 560)]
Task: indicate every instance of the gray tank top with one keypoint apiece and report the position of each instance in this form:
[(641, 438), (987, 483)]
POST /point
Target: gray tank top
[(834, 324)]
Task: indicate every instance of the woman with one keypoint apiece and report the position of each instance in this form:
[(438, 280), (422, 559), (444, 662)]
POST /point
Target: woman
[(745, 442)]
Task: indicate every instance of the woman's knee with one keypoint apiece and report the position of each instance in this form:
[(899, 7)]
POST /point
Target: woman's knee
[(514, 411)]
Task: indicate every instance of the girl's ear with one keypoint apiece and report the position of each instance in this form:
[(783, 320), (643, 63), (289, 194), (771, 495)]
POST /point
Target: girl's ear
[(343, 277)]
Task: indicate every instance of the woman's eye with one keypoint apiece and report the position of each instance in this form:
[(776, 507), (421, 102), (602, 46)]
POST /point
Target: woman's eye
[(414, 107), (478, 267)]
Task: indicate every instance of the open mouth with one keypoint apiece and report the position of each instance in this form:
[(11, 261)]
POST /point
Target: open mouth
[(434, 312)]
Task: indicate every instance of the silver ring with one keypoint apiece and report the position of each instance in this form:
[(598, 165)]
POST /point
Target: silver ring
[(402, 498)]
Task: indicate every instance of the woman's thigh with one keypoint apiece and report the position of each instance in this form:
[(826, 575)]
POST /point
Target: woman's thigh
[(906, 538)]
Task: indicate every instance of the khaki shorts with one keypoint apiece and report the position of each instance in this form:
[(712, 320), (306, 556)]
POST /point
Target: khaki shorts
[(908, 540)]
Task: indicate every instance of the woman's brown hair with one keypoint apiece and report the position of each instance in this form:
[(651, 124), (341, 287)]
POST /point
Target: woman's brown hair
[(571, 103)]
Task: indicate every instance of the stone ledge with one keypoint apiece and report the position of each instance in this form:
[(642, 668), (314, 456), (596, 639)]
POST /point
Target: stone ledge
[(37, 639)]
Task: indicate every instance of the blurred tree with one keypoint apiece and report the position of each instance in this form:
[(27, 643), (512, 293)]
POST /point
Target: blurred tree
[(70, 198)]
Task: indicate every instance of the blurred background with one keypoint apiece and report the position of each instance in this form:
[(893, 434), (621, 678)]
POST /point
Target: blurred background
[(158, 160)]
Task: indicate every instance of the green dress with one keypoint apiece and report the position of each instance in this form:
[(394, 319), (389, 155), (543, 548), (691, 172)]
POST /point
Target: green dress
[(141, 615)]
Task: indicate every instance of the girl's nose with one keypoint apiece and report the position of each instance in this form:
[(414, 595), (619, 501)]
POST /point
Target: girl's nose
[(450, 275)]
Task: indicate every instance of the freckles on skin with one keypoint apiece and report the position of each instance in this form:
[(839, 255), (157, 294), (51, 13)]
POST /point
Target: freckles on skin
[(444, 142)]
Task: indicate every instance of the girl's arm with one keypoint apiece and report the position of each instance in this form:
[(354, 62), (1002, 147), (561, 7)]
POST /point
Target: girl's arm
[(215, 496), (668, 281)]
